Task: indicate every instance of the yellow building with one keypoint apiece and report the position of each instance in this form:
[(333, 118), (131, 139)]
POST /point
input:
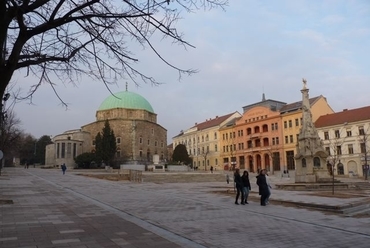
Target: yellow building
[(291, 122), (202, 141)]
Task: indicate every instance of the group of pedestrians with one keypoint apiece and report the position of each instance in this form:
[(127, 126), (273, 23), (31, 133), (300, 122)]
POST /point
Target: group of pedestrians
[(243, 187)]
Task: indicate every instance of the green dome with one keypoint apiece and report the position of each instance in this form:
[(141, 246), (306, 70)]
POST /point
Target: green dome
[(127, 100)]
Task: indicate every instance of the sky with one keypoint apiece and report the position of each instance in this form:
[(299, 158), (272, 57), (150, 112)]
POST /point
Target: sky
[(251, 48)]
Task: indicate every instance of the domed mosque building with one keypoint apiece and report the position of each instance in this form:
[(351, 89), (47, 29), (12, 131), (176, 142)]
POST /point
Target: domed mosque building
[(134, 123)]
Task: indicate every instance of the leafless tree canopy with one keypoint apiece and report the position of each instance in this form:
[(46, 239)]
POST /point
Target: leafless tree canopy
[(67, 38)]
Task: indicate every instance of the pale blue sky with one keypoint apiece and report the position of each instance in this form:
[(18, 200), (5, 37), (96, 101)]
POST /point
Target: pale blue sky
[(253, 47)]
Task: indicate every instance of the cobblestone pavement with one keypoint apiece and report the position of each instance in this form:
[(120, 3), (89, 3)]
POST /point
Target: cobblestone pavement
[(52, 210)]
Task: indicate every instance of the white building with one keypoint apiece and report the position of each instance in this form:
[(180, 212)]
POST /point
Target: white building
[(346, 138)]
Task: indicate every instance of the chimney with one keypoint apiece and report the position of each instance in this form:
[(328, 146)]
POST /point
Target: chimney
[(345, 110)]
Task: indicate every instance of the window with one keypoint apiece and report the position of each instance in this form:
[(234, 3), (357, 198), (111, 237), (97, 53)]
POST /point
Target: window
[(216, 161), (215, 148), (118, 140), (140, 140), (265, 128), (215, 136), (290, 123), (291, 138), (202, 138), (203, 150), (296, 122), (277, 140), (276, 126), (140, 153), (207, 148), (327, 149), (339, 150), (69, 150), (155, 143), (148, 142), (152, 130), (63, 150), (162, 143), (350, 149), (241, 133), (58, 148), (361, 131), (326, 135), (272, 126), (223, 136), (363, 147), (290, 160), (118, 153), (249, 143), (74, 150), (286, 140), (207, 138), (285, 124), (273, 141), (249, 131), (349, 133), (234, 147), (337, 134)]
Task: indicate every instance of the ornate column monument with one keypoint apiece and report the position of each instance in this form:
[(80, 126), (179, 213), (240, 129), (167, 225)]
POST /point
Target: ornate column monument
[(311, 156)]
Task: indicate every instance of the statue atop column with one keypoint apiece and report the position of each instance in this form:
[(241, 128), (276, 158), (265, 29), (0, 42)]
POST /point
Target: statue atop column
[(311, 156)]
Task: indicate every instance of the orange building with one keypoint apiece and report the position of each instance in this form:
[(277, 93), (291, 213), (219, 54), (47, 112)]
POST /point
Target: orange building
[(254, 141)]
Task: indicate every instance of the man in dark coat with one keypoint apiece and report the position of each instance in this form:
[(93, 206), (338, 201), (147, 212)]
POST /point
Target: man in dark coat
[(239, 186), (262, 186)]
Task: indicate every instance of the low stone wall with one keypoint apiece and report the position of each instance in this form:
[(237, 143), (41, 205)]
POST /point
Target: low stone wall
[(140, 167), (177, 168)]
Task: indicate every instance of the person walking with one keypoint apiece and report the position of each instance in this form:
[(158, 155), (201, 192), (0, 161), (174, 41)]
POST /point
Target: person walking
[(239, 187), (211, 169), (262, 186), (64, 168), (246, 186)]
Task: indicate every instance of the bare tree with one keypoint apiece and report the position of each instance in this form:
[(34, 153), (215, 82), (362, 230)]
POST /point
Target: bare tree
[(9, 137), (204, 155), (364, 139), (60, 40), (335, 152)]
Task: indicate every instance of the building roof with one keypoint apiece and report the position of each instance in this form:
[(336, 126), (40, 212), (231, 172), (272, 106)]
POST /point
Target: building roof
[(297, 105), (346, 116), (212, 122), (127, 100)]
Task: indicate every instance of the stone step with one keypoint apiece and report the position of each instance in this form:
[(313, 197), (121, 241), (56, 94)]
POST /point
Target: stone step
[(183, 177)]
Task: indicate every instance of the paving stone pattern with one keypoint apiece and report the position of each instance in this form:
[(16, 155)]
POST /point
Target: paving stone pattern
[(52, 210)]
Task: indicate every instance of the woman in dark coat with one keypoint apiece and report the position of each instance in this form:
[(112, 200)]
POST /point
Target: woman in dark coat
[(239, 187), (262, 186), (246, 186)]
